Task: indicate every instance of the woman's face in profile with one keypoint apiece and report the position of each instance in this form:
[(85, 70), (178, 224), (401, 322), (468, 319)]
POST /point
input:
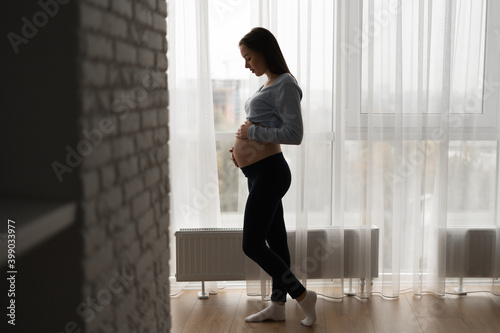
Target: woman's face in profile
[(253, 60)]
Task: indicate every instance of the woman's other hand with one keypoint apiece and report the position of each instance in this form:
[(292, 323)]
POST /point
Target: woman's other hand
[(242, 132), (232, 157)]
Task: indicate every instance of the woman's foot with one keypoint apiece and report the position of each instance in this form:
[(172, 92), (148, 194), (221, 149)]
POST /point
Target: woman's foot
[(275, 312), (308, 305)]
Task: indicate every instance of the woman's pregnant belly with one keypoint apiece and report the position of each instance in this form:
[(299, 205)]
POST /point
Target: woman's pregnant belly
[(247, 152)]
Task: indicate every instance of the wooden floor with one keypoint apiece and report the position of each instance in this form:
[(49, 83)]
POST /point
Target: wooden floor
[(225, 312)]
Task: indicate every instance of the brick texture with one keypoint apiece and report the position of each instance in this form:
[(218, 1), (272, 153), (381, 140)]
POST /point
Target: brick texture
[(124, 174)]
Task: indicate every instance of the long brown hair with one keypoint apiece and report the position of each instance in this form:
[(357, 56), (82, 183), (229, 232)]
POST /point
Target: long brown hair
[(263, 41)]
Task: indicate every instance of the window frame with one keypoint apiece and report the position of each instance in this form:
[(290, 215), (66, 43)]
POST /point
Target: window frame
[(482, 126)]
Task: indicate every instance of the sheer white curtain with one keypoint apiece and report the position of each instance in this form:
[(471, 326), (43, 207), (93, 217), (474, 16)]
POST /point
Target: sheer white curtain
[(416, 104), (401, 136), (193, 166)]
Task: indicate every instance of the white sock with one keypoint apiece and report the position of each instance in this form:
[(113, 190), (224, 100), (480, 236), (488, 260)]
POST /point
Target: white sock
[(308, 305), (274, 312)]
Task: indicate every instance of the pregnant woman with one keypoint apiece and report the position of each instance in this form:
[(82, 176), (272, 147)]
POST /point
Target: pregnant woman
[(273, 118)]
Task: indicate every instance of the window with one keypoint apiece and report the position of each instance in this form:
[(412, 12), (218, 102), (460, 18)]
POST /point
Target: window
[(472, 120), (230, 84), (374, 43), (233, 84)]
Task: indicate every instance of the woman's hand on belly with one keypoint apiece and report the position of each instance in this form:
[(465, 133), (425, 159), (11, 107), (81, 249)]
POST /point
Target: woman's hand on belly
[(242, 132), (246, 152), (232, 157)]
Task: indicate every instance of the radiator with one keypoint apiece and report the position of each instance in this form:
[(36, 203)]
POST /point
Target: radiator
[(216, 254), (209, 255), (470, 252)]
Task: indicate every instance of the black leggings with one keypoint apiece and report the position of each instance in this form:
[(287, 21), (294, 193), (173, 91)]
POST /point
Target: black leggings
[(268, 181)]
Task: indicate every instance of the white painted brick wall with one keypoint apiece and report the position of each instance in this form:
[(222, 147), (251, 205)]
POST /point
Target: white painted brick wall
[(132, 188), (149, 119), (100, 155), (125, 176), (98, 47), (98, 262), (131, 123), (124, 238), (140, 204), (97, 73), (152, 176), (143, 14), (125, 53), (127, 169), (108, 177), (144, 140), (123, 7), (145, 262), (146, 57), (115, 25), (119, 219), (145, 222), (123, 147)]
